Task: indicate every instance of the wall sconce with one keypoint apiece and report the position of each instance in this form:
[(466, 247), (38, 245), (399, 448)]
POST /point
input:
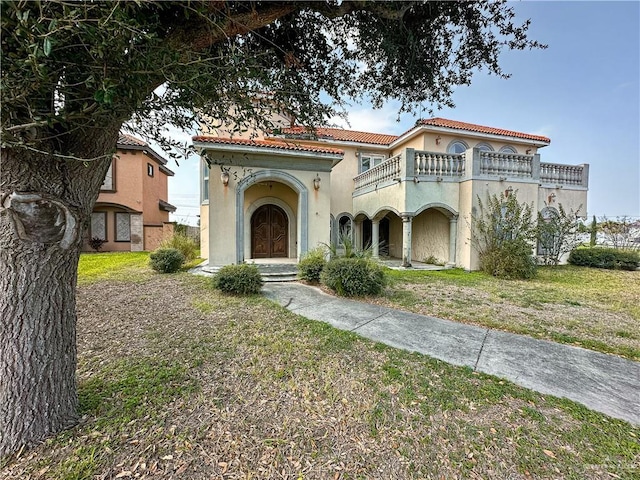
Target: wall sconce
[(508, 191), (224, 178), (316, 182), (551, 198), (438, 139), (528, 152)]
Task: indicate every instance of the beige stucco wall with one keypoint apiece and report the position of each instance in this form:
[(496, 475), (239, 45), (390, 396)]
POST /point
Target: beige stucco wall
[(204, 230)]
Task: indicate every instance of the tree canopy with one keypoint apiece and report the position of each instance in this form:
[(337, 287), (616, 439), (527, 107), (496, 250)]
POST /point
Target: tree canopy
[(68, 65)]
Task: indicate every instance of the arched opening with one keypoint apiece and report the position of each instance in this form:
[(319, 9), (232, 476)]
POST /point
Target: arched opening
[(383, 235), (269, 232)]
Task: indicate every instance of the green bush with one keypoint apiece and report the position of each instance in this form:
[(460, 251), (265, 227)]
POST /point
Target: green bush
[(311, 265), (353, 277), (240, 279), (511, 260), (166, 260), (609, 258), (186, 245)]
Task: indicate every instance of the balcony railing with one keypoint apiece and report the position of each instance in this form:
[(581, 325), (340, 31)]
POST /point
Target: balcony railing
[(419, 165), (387, 171), (439, 164)]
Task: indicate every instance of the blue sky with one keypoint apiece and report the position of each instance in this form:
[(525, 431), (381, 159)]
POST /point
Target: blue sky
[(583, 92)]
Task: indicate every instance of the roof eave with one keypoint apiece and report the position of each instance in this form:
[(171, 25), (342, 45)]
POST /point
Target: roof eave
[(490, 136)]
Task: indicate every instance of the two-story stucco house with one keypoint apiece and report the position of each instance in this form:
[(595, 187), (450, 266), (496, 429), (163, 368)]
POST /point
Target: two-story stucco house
[(132, 212), (409, 196)]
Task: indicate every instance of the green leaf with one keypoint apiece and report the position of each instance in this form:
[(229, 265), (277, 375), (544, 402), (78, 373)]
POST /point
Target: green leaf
[(46, 47)]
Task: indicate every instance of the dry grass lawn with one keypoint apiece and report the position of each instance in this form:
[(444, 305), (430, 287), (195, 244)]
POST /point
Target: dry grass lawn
[(180, 382)]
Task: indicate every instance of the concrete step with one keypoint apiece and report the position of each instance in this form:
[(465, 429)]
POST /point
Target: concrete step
[(269, 272)]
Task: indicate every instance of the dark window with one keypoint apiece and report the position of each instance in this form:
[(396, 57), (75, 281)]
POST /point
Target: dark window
[(99, 225), (149, 169), (109, 180), (123, 227)]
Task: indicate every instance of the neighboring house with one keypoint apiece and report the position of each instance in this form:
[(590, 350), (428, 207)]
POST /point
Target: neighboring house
[(409, 196), (132, 213)]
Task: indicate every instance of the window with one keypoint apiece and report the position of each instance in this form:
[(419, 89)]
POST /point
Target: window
[(109, 183), (457, 146), (99, 225), (344, 228), (508, 149), (149, 169), (205, 183), (370, 160), (548, 238), (484, 147), (123, 227)]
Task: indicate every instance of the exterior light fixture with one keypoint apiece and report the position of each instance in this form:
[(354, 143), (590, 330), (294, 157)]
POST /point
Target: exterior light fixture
[(224, 178), (528, 151), (551, 198), (508, 191), (438, 138), (316, 182)]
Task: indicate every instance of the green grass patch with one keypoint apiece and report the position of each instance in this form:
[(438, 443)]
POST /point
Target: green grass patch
[(125, 266)]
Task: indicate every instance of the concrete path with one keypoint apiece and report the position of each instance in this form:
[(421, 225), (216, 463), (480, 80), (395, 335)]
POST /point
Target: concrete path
[(604, 383)]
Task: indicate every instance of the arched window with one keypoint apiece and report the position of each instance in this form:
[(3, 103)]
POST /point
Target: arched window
[(484, 147), (457, 146), (345, 228), (508, 149)]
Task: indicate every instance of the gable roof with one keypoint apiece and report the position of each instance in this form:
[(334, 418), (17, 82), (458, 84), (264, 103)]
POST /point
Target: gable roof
[(267, 144), (129, 142), (339, 135), (471, 127)]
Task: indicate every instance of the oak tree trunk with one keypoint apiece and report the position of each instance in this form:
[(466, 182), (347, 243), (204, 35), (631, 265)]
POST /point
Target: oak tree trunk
[(45, 204)]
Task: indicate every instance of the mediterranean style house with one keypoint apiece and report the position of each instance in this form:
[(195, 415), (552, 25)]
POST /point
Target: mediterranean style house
[(278, 194), (131, 213)]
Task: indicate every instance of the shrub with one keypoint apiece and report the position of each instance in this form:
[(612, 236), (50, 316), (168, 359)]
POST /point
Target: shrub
[(166, 260), (240, 279), (186, 245), (353, 276), (311, 265), (609, 258), (96, 243), (511, 260)]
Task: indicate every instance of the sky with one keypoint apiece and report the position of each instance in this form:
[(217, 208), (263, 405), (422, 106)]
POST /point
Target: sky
[(583, 92)]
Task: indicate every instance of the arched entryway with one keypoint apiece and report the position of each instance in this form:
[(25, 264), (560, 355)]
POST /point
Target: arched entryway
[(269, 232)]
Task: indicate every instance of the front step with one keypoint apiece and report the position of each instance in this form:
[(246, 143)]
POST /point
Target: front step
[(276, 272)]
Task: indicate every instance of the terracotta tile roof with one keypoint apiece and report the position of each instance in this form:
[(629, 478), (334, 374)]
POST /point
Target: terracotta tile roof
[(339, 134), (443, 122), (130, 140), (277, 144)]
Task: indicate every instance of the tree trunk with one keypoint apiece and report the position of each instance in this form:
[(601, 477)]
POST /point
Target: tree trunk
[(45, 205)]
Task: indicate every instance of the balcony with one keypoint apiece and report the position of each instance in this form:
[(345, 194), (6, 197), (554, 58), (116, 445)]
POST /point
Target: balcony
[(422, 166)]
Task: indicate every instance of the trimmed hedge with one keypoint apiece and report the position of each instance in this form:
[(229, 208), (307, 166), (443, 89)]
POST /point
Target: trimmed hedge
[(353, 277), (166, 260), (609, 258), (240, 279), (311, 265)]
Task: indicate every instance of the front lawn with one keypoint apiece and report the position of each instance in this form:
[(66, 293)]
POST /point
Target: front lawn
[(180, 381), (591, 308)]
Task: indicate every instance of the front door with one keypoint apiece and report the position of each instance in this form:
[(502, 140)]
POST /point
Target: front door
[(269, 232)]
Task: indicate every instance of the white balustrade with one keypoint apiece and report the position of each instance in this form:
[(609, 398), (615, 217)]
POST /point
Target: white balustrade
[(439, 164), (502, 164), (388, 170), (559, 174)]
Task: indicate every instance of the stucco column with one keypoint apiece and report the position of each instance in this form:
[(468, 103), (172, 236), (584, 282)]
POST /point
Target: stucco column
[(406, 240), (357, 235), (375, 238), (453, 234)]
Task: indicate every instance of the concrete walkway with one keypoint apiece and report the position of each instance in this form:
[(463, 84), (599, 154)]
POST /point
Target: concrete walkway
[(604, 383)]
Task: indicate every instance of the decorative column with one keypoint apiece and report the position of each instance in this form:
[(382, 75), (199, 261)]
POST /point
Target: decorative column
[(375, 238), (406, 239), (453, 234), (357, 235)]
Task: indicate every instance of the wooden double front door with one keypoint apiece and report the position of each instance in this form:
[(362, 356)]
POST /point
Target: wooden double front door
[(269, 232)]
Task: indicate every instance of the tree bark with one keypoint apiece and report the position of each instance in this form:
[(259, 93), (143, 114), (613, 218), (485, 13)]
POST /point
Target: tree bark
[(45, 204)]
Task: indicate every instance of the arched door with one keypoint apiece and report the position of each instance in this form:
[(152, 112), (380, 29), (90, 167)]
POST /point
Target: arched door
[(269, 232)]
